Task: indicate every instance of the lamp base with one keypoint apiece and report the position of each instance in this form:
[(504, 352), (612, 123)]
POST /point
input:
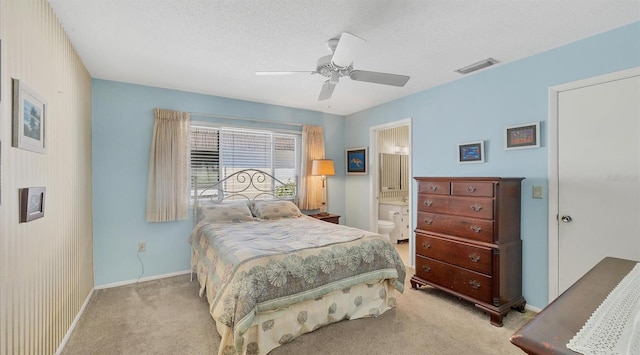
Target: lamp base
[(323, 207), (322, 214)]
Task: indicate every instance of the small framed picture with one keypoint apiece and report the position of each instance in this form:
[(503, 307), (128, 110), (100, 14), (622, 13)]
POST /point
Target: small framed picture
[(522, 136), (356, 159), (31, 203), (29, 118), (472, 152)]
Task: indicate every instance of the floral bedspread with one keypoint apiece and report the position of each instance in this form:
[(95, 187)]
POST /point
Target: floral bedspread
[(263, 265)]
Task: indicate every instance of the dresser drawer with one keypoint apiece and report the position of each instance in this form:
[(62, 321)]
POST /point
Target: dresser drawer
[(480, 207), (472, 188), (432, 203), (434, 187), (455, 278), (465, 255), (474, 229)]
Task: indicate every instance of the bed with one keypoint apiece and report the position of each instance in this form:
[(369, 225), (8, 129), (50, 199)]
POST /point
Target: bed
[(271, 274)]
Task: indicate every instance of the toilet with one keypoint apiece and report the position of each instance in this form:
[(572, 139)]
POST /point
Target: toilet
[(385, 227)]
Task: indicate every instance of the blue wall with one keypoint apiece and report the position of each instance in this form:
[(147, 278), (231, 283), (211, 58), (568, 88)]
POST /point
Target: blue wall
[(122, 128), (478, 107)]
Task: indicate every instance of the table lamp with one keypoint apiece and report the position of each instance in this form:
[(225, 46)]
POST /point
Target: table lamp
[(324, 168)]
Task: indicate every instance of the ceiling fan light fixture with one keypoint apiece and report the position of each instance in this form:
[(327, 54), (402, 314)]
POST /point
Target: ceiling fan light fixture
[(477, 66), (335, 76)]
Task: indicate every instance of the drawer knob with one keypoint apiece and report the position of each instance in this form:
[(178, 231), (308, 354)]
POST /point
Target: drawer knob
[(476, 207), (426, 245), (476, 229), (428, 203), (433, 187), (474, 257), (471, 188), (426, 268), (474, 284), (428, 221)]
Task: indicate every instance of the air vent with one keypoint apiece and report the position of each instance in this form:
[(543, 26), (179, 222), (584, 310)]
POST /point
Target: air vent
[(477, 66)]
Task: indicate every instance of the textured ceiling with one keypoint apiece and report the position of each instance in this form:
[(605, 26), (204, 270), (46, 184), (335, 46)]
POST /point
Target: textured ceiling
[(214, 46)]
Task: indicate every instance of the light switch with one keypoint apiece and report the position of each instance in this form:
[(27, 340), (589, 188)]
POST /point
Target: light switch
[(537, 191)]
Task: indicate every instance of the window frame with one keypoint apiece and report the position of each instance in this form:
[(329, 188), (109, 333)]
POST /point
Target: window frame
[(211, 125)]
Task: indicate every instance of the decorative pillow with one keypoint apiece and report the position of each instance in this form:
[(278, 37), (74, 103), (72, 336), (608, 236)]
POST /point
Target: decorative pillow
[(276, 209), (226, 212)]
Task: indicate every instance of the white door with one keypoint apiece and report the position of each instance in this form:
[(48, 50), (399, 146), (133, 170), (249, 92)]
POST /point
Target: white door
[(598, 166)]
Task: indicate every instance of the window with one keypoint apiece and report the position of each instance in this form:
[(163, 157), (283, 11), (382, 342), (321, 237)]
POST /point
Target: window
[(219, 152)]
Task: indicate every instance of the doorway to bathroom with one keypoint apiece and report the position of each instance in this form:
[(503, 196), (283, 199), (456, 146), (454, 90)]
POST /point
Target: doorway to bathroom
[(391, 183)]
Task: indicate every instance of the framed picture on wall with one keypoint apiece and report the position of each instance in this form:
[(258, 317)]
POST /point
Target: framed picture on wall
[(31, 203), (356, 160), (29, 118), (522, 136), (472, 152)]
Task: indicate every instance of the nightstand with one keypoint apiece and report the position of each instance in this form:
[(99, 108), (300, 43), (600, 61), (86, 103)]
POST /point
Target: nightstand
[(328, 217)]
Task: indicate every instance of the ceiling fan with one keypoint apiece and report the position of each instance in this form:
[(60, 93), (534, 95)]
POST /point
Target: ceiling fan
[(340, 64)]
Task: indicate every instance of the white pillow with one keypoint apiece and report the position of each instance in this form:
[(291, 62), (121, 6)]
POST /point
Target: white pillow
[(276, 209), (232, 212)]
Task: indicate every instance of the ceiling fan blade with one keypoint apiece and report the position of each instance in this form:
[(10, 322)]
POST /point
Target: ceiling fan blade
[(283, 72), (326, 91), (347, 47), (379, 78)]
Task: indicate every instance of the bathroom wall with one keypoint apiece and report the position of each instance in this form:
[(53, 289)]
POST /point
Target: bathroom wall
[(394, 140)]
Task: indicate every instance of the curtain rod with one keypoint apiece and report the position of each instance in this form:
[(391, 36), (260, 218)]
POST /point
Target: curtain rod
[(244, 119)]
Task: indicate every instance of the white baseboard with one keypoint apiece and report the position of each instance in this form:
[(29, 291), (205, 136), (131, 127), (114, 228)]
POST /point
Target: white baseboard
[(73, 324), (532, 308), (150, 278)]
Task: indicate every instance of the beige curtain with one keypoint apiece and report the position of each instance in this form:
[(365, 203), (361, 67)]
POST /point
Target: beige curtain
[(311, 186), (167, 190)]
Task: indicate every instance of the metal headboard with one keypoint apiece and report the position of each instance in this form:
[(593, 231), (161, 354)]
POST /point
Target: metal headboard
[(244, 184)]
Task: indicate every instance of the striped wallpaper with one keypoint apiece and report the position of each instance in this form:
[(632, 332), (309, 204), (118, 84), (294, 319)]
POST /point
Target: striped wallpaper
[(46, 265), (390, 140)]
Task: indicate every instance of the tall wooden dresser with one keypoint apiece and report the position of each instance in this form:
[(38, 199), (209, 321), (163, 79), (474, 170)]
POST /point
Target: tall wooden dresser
[(468, 241)]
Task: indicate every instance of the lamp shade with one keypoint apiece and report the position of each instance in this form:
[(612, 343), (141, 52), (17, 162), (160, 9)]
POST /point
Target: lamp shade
[(322, 167)]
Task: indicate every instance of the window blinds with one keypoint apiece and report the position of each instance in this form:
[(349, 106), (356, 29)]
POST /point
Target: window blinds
[(219, 152), (204, 157)]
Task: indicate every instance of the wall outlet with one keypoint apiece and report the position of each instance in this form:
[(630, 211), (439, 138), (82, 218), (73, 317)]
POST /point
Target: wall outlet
[(142, 246)]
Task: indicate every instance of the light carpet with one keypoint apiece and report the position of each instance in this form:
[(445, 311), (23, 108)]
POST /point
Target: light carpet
[(166, 316)]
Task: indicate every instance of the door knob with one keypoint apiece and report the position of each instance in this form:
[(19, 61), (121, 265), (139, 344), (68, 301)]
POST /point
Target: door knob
[(566, 219)]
